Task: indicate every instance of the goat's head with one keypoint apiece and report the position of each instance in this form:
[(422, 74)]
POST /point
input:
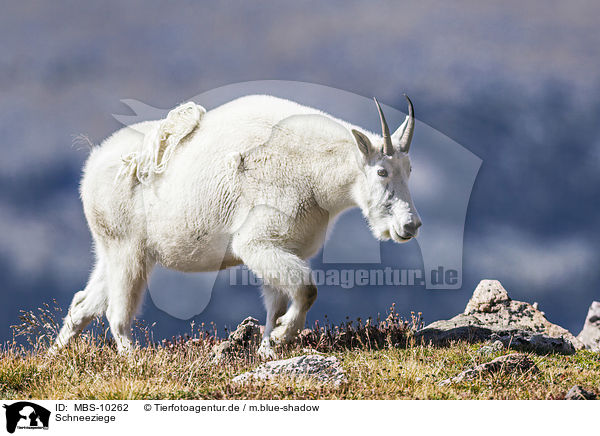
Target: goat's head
[(383, 193)]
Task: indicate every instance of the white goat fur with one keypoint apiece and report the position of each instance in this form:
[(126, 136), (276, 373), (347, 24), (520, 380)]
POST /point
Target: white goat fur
[(254, 181)]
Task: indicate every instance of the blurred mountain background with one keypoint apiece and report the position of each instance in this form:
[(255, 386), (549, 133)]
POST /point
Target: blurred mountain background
[(514, 82)]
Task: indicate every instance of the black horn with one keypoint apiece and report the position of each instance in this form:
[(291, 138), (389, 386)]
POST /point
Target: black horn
[(408, 130)]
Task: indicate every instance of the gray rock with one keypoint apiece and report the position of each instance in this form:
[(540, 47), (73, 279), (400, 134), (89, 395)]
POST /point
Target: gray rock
[(497, 345), (578, 393), (221, 351), (526, 340), (311, 366), (241, 342), (492, 315), (247, 333), (489, 296), (590, 335), (509, 363)]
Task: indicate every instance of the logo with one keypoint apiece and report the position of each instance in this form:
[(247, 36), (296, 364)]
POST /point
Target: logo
[(26, 415)]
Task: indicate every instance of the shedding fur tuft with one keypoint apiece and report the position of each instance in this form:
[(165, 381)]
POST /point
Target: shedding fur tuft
[(160, 143)]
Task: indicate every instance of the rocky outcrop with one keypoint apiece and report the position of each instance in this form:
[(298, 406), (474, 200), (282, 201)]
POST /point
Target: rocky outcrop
[(507, 364), (241, 342), (491, 315), (578, 393), (590, 335), (314, 367)]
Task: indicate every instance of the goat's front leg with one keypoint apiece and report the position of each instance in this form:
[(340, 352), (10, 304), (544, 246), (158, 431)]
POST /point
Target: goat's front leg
[(285, 276), (287, 327)]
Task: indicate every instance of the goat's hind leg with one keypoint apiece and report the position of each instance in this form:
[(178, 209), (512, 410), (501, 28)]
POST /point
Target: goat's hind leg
[(127, 275), (86, 305)]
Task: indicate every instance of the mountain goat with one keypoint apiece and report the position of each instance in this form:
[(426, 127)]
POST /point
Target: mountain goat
[(254, 181)]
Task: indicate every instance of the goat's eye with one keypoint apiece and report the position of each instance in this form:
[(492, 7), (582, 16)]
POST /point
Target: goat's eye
[(382, 172)]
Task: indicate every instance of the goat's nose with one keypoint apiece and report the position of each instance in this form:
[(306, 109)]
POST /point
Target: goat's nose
[(412, 227)]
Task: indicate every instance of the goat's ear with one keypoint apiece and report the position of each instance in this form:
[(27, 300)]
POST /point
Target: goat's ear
[(364, 144)]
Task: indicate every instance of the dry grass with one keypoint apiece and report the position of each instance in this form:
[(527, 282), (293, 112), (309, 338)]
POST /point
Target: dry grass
[(380, 358)]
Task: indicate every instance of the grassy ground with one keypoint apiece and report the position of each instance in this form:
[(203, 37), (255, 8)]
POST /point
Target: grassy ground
[(91, 369)]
